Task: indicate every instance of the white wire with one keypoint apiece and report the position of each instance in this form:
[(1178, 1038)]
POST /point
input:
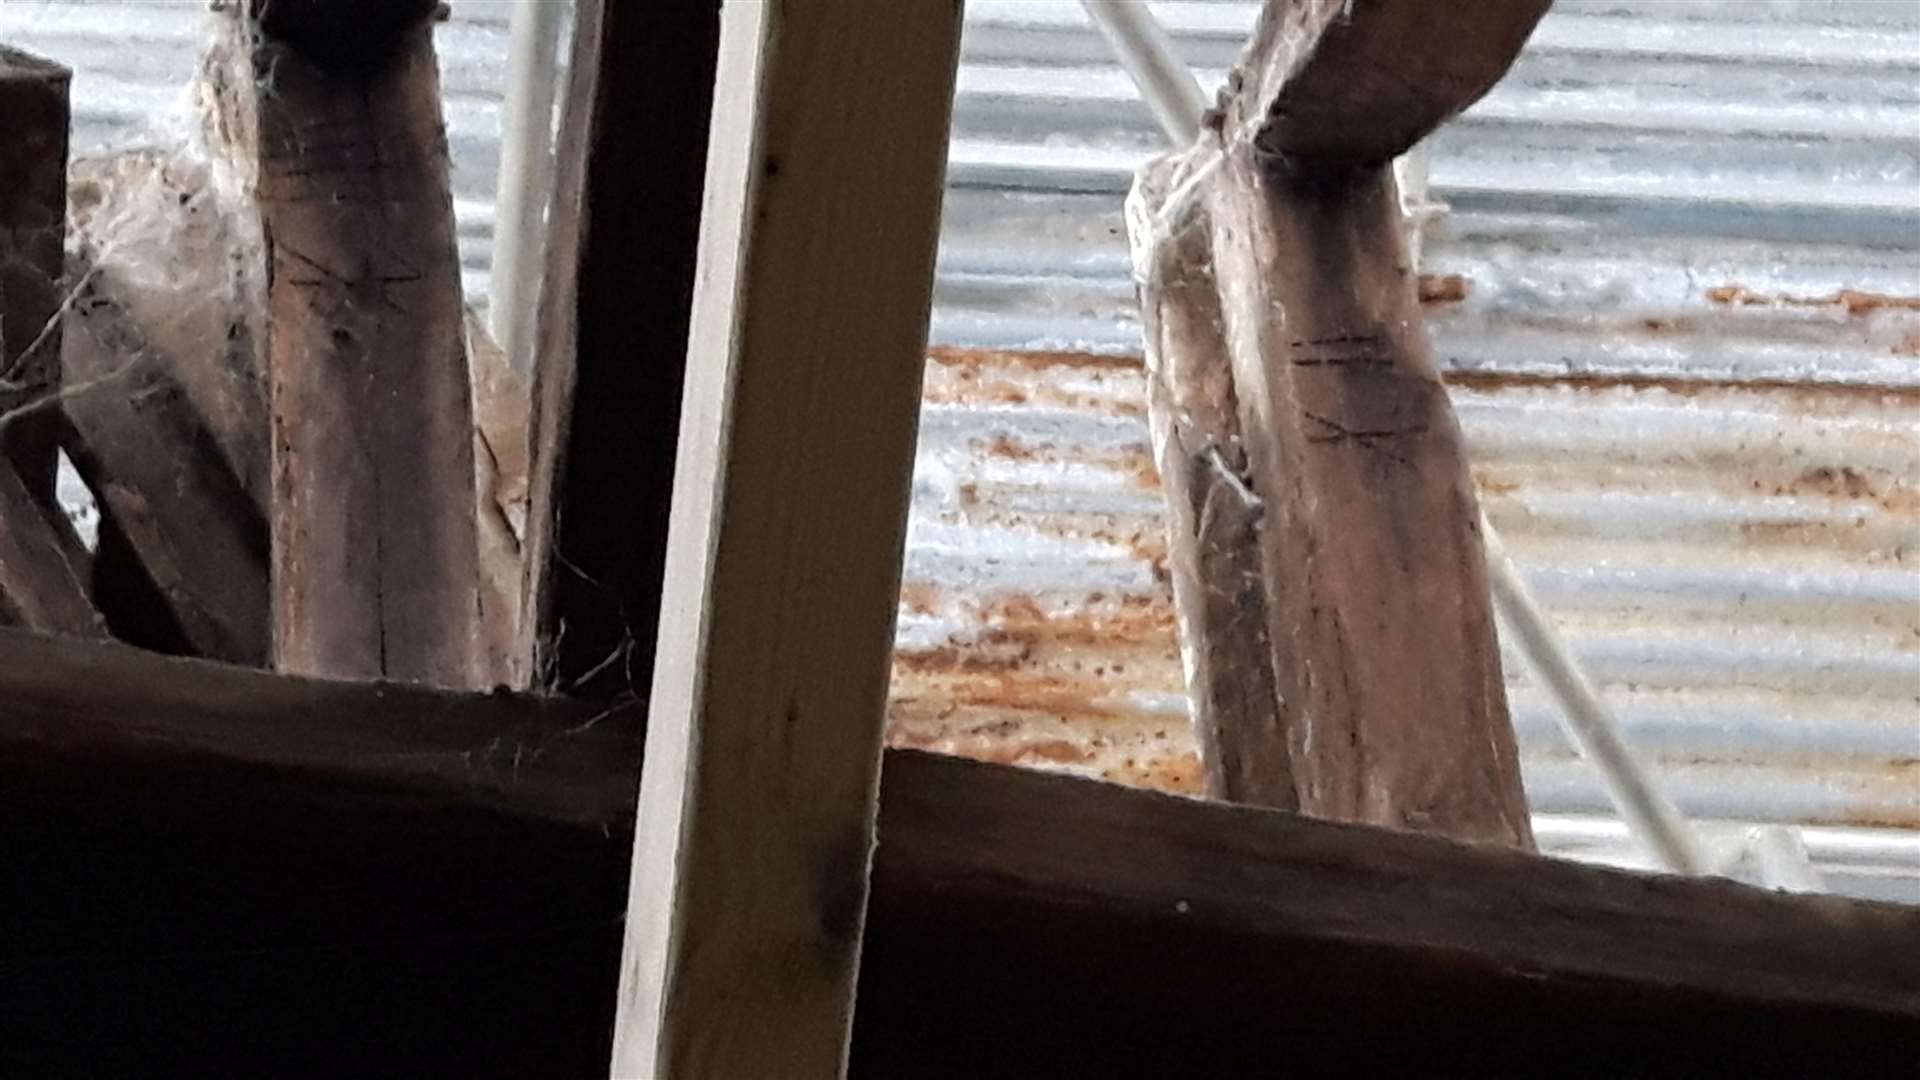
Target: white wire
[(526, 174), (1166, 83), (1653, 820)]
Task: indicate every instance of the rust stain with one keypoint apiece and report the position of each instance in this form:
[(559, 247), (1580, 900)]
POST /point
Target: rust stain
[(1154, 767), (1012, 449), (1442, 289), (1908, 346), (1855, 301), (1490, 484), (1844, 481), (1492, 381), (920, 597), (1140, 467), (1852, 484), (949, 356), (1500, 380)]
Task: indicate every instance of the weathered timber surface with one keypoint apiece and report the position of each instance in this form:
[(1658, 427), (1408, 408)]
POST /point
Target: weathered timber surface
[(1276, 240), (34, 118), (616, 297), (805, 355), (374, 554), (43, 568), (1214, 515), (302, 878), (535, 757), (1362, 81), (212, 871), (183, 550), (500, 450), (1377, 598), (1024, 924)]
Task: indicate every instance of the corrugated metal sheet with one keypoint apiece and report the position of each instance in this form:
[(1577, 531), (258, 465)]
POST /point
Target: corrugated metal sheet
[(1685, 242)]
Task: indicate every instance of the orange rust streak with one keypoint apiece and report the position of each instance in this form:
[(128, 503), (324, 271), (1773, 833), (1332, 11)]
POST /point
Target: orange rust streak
[(1033, 358), (1442, 288), (1485, 380), (1854, 300)]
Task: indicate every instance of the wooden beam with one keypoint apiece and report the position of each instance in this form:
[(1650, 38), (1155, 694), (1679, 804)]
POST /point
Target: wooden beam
[(612, 330), (1362, 81), (1027, 924), (824, 181), (375, 561), (43, 569), (1213, 514), (34, 118), (500, 450), (175, 516), (1278, 284), (112, 705), (303, 878), (440, 876)]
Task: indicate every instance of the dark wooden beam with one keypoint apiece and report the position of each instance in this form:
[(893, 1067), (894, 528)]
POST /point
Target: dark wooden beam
[(372, 523), (216, 871), (183, 548), (43, 568), (1362, 81), (302, 878), (102, 706), (34, 118), (1025, 925), (612, 332)]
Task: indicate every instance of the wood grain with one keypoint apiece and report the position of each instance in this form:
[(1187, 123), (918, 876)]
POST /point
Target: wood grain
[(175, 516), (1024, 924), (824, 180), (1377, 601), (34, 117), (1214, 517), (1279, 288), (538, 758), (375, 559), (432, 883), (1362, 81), (43, 568)]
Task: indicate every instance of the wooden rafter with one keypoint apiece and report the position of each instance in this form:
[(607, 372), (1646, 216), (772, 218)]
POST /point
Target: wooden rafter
[(372, 524), (824, 178), (1292, 370)]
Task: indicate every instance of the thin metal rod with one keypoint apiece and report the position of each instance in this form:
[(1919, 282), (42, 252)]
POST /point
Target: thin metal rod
[(1654, 821), (526, 174), (1175, 99), (1145, 50)]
